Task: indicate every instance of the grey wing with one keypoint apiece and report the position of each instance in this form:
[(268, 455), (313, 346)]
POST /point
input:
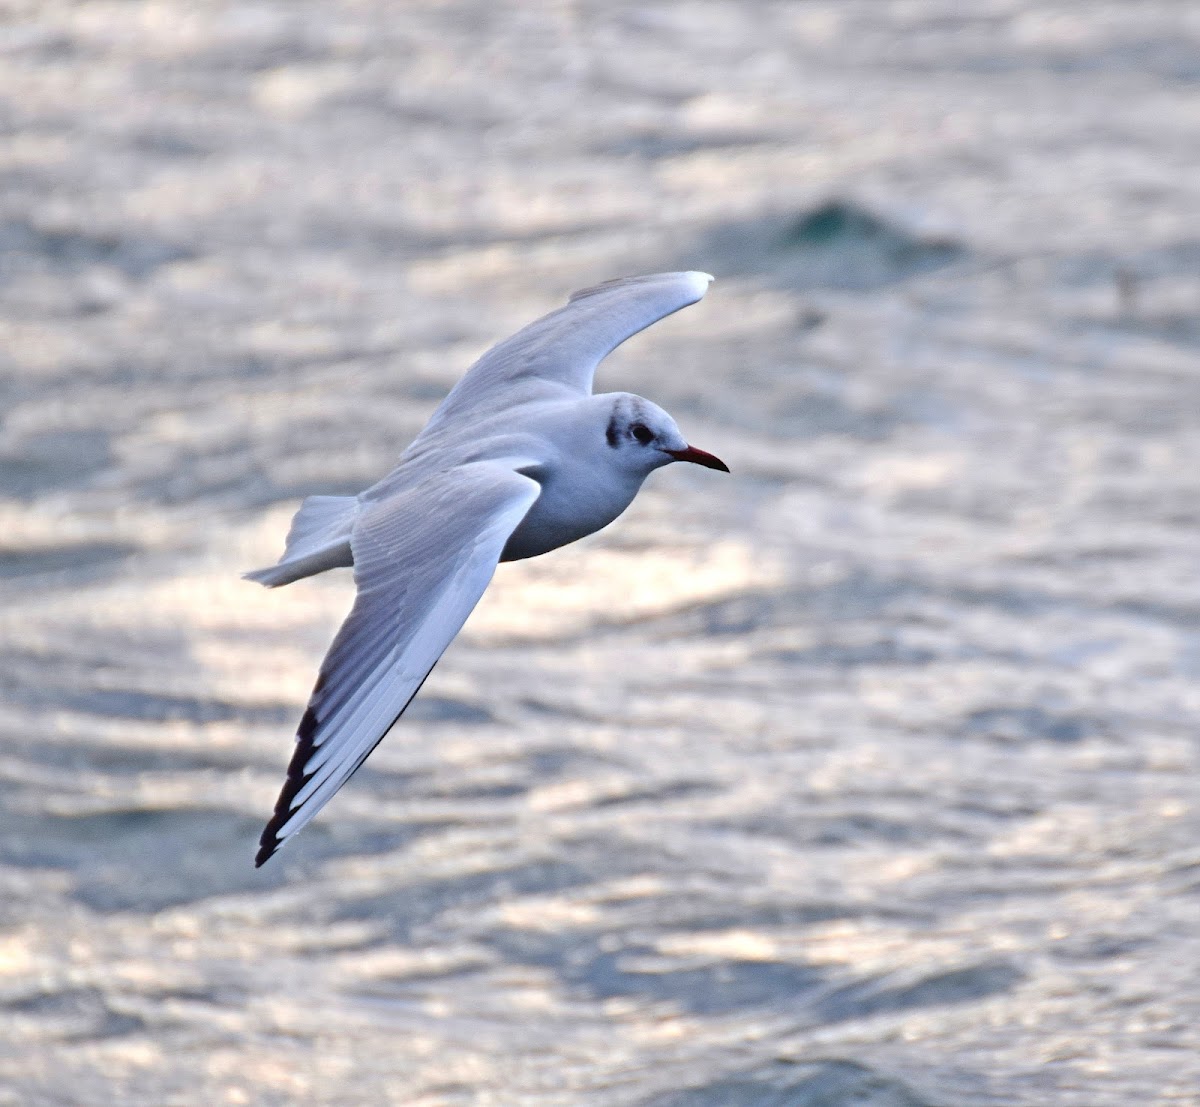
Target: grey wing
[(562, 349), (422, 559)]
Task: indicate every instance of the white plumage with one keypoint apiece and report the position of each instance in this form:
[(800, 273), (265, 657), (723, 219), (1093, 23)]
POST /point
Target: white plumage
[(520, 458)]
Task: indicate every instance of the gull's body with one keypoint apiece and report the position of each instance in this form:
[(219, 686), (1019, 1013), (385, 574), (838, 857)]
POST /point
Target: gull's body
[(519, 459)]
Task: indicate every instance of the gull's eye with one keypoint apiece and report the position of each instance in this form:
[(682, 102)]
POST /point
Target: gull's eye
[(642, 433)]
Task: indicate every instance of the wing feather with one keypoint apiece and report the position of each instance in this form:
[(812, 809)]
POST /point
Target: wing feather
[(416, 587), (562, 349)]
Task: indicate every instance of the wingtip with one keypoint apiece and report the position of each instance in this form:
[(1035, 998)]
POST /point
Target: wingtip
[(696, 281), (269, 843), (297, 777), (700, 281)]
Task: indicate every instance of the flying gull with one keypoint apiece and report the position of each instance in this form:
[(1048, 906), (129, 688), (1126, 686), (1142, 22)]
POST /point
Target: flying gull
[(519, 459)]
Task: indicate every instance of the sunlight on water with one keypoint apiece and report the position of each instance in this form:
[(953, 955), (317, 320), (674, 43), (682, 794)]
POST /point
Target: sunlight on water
[(865, 774), (592, 585)]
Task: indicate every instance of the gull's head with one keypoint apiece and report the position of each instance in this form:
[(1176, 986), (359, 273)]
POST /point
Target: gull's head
[(643, 437)]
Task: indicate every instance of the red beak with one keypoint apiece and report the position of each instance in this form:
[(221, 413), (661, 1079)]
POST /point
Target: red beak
[(699, 457)]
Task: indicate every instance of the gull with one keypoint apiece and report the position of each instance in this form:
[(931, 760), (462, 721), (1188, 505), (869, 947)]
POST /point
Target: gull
[(519, 459)]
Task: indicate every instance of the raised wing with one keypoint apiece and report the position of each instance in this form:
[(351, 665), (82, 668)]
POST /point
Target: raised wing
[(562, 349), (422, 559)]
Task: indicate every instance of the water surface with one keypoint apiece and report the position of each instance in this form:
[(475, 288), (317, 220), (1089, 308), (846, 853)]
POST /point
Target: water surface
[(865, 775)]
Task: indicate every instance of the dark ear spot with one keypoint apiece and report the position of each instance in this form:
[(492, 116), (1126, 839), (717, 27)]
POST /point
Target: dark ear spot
[(611, 433)]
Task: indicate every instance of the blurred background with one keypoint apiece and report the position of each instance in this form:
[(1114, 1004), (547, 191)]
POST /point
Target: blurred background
[(866, 775)]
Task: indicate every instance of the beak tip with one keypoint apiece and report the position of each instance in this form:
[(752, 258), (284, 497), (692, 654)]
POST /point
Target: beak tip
[(700, 457)]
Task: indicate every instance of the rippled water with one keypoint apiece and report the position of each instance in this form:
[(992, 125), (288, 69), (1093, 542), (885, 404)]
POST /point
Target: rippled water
[(867, 775)]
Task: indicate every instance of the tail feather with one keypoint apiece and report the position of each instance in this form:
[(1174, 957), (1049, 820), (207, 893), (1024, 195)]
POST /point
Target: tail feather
[(319, 539)]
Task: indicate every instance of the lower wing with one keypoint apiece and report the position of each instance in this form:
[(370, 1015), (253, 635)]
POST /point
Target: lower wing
[(422, 559)]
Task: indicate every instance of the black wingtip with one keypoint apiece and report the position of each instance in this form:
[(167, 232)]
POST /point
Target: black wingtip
[(270, 841), (297, 778)]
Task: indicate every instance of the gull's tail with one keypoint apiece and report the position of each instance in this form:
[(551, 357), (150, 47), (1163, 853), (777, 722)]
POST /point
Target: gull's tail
[(319, 540)]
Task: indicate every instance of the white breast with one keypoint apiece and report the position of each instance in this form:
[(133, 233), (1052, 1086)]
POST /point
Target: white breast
[(575, 502)]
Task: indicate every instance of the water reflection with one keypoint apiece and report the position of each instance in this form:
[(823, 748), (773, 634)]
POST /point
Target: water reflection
[(867, 776)]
